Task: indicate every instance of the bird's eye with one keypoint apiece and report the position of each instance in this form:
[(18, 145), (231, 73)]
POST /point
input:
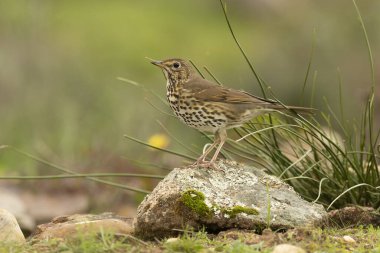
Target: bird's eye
[(176, 65)]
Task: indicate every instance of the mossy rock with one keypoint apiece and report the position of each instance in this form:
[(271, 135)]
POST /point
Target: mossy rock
[(232, 196)]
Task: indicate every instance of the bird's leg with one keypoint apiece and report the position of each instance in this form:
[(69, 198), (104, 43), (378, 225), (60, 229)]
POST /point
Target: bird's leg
[(202, 158), (221, 134), (208, 150)]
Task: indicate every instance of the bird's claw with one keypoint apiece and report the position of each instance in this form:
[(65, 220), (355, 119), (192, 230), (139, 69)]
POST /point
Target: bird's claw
[(205, 164)]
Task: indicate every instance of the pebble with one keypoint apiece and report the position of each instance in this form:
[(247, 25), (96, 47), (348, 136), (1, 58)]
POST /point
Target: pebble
[(349, 239), (173, 239), (287, 248), (10, 231)]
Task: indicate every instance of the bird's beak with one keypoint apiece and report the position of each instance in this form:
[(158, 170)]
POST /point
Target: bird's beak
[(155, 62)]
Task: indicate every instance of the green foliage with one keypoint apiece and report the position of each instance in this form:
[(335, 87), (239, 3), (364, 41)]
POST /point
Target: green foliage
[(315, 160), (268, 216), (188, 243), (96, 243), (312, 240), (240, 247), (184, 245)]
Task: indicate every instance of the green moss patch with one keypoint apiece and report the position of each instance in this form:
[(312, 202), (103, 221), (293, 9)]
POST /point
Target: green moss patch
[(195, 200), (232, 212)]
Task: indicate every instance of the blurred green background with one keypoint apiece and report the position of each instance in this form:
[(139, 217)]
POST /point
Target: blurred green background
[(59, 62)]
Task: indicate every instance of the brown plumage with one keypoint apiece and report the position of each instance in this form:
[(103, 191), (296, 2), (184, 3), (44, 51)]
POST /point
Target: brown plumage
[(207, 106)]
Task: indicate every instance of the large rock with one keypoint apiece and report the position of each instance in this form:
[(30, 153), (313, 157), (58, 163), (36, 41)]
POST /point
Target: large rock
[(232, 196), (10, 231)]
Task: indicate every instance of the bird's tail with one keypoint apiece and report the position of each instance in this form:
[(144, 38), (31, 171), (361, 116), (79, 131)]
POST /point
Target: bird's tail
[(298, 109)]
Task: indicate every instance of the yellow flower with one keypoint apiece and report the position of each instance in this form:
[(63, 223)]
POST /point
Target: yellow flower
[(158, 141)]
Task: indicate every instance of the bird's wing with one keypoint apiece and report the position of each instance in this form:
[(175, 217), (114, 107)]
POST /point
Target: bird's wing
[(204, 90)]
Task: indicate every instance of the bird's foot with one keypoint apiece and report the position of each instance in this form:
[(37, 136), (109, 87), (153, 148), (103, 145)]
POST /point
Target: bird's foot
[(205, 164), (198, 162)]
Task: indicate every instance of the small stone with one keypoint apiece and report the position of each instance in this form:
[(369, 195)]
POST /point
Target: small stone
[(69, 227), (349, 239), (287, 248), (10, 231), (173, 239), (267, 232)]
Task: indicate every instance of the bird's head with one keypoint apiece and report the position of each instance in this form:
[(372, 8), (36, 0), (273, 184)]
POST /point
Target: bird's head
[(176, 71)]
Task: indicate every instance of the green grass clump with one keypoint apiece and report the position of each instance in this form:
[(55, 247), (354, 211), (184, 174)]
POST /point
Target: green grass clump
[(234, 241), (95, 243), (311, 240), (332, 240), (241, 247), (188, 243)]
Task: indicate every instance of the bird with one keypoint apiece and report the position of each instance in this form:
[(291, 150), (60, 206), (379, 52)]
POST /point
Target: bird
[(210, 107)]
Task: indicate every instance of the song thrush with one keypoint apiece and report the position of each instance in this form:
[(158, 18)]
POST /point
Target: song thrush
[(210, 107)]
